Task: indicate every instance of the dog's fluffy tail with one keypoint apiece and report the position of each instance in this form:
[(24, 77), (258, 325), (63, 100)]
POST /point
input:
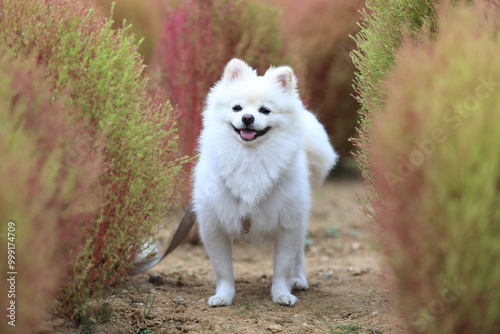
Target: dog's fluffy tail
[(320, 153)]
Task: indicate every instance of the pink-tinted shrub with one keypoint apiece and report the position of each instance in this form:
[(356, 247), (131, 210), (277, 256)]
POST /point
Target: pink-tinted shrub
[(198, 39), (47, 190), (437, 166), (318, 44)]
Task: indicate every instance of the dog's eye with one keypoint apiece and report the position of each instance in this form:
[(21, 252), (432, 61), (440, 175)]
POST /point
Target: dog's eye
[(264, 110), (237, 108)]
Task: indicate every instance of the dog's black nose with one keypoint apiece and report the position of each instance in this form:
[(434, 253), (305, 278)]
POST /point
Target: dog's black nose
[(247, 119)]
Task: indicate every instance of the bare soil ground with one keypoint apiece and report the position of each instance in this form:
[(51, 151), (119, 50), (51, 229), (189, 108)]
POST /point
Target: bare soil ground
[(345, 272)]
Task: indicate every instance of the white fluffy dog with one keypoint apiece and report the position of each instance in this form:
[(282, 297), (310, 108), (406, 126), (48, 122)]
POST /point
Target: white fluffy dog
[(252, 176)]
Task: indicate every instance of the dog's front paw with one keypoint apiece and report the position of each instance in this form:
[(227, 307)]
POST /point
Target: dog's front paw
[(299, 283), (217, 300), (285, 299)]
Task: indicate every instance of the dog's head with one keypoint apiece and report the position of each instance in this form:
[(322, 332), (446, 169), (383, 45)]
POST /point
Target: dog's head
[(253, 107)]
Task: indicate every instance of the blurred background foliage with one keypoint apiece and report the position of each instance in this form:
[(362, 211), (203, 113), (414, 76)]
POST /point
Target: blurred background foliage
[(318, 42)]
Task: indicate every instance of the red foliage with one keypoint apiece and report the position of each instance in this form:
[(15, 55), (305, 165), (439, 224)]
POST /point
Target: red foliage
[(188, 53)]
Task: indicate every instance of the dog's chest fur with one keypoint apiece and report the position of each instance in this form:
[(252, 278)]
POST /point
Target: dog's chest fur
[(251, 174), (259, 188)]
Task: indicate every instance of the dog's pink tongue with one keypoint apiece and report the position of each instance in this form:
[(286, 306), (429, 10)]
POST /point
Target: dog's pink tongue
[(247, 134)]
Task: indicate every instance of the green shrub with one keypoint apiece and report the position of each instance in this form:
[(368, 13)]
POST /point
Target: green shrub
[(382, 27), (102, 72), (318, 43), (437, 166), (41, 187)]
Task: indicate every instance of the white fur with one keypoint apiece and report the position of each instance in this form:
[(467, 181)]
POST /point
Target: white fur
[(265, 180)]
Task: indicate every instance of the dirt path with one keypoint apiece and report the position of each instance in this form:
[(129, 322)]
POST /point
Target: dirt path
[(344, 271)]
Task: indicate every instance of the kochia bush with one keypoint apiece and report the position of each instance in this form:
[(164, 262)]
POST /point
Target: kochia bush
[(103, 74), (437, 165), (41, 191), (382, 27)]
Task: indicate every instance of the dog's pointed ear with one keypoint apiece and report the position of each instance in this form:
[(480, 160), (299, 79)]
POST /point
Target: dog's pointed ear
[(284, 76), (235, 69)]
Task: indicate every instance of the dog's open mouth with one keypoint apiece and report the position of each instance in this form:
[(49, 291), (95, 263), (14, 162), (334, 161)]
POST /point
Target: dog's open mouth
[(250, 134)]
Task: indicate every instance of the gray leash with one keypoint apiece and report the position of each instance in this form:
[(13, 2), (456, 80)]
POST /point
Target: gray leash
[(181, 233)]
